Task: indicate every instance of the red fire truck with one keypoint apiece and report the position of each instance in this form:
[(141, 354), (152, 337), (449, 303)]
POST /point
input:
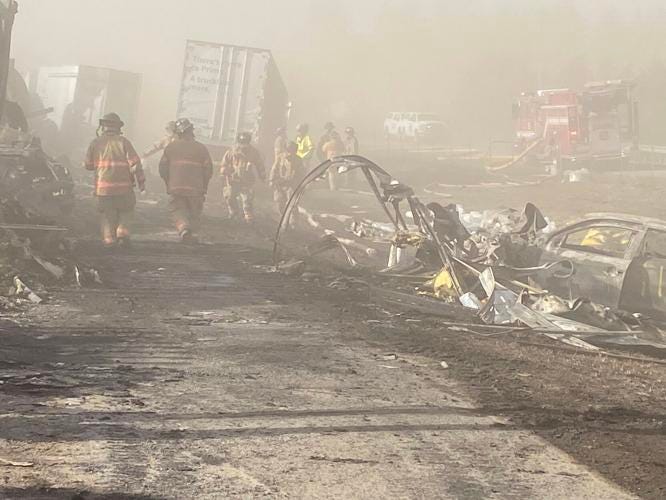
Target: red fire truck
[(598, 126)]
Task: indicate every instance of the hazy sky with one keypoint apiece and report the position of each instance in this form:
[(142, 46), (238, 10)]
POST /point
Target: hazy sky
[(322, 69)]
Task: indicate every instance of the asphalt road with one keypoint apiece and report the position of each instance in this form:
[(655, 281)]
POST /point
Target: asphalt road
[(197, 373)]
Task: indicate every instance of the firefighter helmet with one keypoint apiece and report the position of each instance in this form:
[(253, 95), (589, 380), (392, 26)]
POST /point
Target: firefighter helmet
[(183, 126), (349, 131), (111, 120), (244, 138)]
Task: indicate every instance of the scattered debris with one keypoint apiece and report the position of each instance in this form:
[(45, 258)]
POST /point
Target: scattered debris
[(57, 271), (292, 267), (22, 290), (484, 264), (12, 463), (356, 461), (348, 283)]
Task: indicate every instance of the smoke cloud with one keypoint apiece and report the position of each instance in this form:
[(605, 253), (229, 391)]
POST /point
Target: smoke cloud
[(353, 61)]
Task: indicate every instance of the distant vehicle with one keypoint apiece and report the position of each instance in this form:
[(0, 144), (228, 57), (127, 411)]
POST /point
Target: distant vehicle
[(81, 95), (426, 127), (228, 89), (597, 125), (392, 125), (616, 260)]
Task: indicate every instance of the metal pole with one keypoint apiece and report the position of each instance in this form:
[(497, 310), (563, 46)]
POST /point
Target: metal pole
[(7, 19)]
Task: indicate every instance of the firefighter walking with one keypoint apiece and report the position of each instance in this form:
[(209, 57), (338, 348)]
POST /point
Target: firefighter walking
[(333, 148), (281, 141), (117, 170), (287, 170), (186, 168), (242, 165)]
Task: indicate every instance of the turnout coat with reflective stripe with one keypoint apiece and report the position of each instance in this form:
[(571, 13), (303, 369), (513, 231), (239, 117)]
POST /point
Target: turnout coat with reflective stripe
[(242, 164), (116, 164), (186, 167)]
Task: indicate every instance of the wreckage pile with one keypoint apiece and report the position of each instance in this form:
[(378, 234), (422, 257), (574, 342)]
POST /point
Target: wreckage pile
[(488, 263), (35, 193)]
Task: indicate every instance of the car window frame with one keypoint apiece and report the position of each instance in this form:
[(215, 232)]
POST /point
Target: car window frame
[(641, 252), (637, 238)]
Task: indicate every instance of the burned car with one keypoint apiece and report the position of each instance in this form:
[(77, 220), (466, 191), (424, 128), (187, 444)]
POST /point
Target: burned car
[(613, 259)]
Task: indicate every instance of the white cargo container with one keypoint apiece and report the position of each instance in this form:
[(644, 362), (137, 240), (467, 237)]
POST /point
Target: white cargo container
[(227, 89), (87, 93)]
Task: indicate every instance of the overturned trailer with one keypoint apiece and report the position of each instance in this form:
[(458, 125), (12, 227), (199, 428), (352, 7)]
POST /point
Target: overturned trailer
[(78, 96), (228, 89)]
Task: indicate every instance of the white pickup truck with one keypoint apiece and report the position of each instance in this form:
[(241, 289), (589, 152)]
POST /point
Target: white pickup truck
[(414, 126)]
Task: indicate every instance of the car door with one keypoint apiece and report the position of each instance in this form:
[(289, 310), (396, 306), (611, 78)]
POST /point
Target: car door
[(599, 254), (644, 288)]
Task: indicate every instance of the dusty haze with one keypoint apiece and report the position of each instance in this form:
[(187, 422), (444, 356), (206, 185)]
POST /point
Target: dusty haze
[(354, 61)]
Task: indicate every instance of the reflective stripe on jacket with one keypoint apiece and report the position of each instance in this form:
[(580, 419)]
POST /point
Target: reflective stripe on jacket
[(186, 167), (116, 165), (242, 164)]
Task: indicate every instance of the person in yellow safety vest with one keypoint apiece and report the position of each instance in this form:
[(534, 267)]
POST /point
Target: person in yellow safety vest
[(117, 169), (186, 168), (305, 144)]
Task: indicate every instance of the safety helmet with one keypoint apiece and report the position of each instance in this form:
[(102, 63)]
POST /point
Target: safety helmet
[(244, 138), (111, 120), (329, 127), (171, 127), (303, 128), (183, 125), (349, 131)]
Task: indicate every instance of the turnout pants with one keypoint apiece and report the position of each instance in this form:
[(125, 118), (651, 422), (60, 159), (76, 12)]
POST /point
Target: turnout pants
[(240, 201), (281, 196), (186, 212), (116, 216)]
